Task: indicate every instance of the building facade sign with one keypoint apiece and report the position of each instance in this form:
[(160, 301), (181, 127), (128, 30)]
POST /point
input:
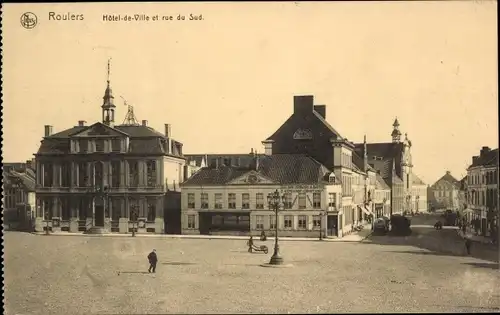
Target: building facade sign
[(301, 188)]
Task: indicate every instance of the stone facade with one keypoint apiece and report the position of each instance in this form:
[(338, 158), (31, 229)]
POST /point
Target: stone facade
[(446, 192), (104, 175), (226, 199), (482, 189), (18, 185)]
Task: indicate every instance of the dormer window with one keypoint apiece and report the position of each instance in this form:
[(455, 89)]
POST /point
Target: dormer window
[(332, 179)]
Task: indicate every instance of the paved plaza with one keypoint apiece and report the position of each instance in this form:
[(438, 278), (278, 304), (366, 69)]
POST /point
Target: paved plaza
[(99, 275)]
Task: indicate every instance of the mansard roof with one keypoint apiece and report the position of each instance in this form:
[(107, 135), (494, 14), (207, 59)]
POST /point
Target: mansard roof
[(285, 169), (143, 140)]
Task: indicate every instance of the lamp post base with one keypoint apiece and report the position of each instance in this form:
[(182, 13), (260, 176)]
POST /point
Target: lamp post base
[(276, 259)]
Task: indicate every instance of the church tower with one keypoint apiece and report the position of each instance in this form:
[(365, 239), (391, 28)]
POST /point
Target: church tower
[(108, 106), (396, 134)]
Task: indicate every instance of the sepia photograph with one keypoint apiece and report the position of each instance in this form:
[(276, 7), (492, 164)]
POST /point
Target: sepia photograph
[(281, 157)]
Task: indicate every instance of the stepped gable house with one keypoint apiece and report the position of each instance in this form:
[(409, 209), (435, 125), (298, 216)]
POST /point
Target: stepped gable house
[(106, 177)]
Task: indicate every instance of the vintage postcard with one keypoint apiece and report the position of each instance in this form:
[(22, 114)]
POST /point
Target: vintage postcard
[(253, 157)]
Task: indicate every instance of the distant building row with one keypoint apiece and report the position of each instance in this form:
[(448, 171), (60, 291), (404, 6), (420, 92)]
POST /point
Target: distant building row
[(124, 177), (480, 188), (328, 183)]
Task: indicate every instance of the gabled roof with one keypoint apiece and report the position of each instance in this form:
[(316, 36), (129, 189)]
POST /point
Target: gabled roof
[(324, 122), (282, 168), (24, 179), (359, 162), (449, 179), (380, 183), (313, 121), (416, 180), (381, 156), (385, 150), (463, 183)]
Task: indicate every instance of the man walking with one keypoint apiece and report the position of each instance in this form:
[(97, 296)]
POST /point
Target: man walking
[(153, 259), (468, 244)]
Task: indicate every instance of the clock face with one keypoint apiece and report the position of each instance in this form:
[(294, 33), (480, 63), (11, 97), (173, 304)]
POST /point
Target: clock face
[(252, 179)]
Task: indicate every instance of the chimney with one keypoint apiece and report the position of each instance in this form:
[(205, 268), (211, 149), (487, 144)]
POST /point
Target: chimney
[(81, 123), (251, 151), (448, 173), (48, 130), (320, 109), (168, 131), (474, 159), (485, 150), (28, 164), (303, 104), (255, 163), (144, 122)]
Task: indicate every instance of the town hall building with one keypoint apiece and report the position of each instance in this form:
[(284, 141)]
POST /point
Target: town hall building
[(106, 177)]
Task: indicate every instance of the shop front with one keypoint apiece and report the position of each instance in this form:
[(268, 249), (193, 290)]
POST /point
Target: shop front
[(224, 223)]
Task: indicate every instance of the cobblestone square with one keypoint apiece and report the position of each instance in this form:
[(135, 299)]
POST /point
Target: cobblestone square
[(104, 275)]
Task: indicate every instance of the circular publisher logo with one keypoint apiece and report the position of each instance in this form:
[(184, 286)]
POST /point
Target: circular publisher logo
[(29, 20)]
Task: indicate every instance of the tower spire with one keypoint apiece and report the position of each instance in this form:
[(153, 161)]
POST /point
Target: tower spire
[(109, 68), (108, 106), (396, 134)]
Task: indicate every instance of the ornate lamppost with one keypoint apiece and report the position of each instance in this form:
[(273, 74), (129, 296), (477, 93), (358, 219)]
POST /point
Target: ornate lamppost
[(275, 202), (134, 219), (46, 212)]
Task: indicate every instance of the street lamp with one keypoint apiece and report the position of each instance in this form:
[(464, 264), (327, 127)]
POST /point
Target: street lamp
[(275, 201), (134, 219), (47, 221), (417, 204)]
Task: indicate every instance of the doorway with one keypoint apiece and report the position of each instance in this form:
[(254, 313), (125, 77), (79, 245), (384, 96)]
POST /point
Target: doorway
[(205, 223), (99, 215), (332, 225)]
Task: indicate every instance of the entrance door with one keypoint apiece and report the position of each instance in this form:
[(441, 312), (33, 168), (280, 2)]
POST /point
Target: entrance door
[(99, 215), (331, 225), (205, 223)]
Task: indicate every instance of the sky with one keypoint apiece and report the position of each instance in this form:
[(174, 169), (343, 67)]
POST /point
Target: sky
[(227, 82)]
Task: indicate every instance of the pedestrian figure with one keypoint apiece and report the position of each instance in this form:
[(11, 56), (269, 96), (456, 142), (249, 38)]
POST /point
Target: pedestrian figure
[(468, 244), (250, 244), (263, 236), (153, 259)]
